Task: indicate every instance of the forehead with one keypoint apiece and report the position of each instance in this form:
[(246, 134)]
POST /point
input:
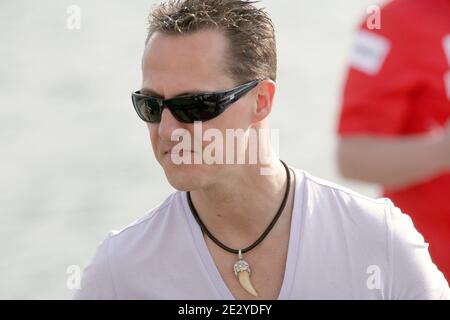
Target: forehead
[(187, 61)]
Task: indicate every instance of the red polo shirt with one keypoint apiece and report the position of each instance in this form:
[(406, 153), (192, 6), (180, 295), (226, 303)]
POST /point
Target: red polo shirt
[(398, 84)]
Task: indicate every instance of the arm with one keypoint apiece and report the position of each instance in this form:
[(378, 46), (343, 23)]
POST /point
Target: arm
[(394, 162)]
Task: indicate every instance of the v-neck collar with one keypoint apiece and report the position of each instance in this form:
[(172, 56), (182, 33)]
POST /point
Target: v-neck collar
[(293, 246)]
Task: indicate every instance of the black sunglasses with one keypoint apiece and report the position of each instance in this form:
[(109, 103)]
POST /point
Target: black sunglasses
[(189, 108)]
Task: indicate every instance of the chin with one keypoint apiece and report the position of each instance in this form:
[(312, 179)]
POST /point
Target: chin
[(184, 177)]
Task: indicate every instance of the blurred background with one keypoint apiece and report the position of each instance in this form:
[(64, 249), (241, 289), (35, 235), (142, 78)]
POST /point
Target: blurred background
[(76, 161)]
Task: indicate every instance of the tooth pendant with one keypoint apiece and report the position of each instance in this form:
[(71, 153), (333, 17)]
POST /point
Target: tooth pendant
[(242, 271)]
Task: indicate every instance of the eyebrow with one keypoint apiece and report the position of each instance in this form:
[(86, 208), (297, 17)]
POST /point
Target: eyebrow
[(152, 93)]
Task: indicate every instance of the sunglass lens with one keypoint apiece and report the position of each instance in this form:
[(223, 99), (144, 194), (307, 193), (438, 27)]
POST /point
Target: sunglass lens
[(189, 110), (147, 108)]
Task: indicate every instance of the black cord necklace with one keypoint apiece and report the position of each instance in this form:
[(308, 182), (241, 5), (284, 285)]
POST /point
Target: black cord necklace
[(241, 267)]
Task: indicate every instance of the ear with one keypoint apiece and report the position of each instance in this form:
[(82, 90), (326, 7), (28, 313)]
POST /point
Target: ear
[(264, 100)]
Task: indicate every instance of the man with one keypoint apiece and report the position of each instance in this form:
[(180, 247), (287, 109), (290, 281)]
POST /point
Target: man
[(259, 230), (396, 104)]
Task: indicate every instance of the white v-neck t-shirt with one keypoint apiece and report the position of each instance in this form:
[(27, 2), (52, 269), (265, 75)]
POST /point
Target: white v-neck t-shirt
[(342, 245)]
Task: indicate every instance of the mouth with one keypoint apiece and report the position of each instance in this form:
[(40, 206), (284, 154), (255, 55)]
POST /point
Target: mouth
[(179, 153)]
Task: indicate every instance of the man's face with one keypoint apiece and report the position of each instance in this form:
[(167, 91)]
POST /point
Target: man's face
[(193, 63)]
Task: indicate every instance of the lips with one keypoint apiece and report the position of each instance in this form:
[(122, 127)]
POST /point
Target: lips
[(180, 152)]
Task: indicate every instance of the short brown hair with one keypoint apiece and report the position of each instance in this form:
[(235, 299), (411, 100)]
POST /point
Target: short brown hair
[(249, 30)]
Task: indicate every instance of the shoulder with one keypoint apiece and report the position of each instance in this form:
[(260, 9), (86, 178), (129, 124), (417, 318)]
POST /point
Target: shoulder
[(355, 210), (149, 226), (338, 212), (325, 194), (405, 10), (398, 20), (401, 7), (375, 231), (121, 251), (149, 218)]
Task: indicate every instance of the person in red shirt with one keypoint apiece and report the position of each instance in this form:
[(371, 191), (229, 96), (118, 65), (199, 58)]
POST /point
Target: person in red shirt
[(394, 126)]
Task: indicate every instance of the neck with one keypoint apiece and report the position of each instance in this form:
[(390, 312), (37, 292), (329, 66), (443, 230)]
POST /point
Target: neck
[(238, 209)]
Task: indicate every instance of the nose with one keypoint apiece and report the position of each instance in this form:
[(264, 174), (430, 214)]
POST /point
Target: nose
[(167, 125)]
